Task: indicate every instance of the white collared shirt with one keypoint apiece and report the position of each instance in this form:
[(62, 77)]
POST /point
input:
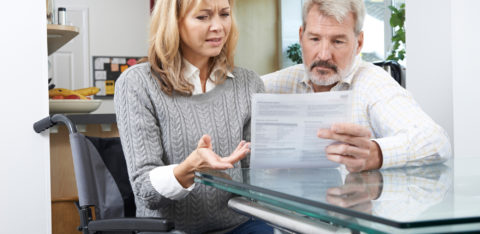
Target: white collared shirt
[(192, 75), (162, 178), (406, 135)]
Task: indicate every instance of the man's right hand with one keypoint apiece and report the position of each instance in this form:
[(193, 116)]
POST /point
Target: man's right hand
[(354, 149)]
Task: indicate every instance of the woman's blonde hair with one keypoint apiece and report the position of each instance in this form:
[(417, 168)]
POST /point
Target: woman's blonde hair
[(164, 52)]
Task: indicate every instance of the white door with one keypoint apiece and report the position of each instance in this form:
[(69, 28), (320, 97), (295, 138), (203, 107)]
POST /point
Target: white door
[(70, 64)]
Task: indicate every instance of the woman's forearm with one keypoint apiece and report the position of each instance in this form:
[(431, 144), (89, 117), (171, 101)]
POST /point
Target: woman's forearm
[(184, 172)]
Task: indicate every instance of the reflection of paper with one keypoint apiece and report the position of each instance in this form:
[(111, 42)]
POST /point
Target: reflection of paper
[(100, 75), (284, 128)]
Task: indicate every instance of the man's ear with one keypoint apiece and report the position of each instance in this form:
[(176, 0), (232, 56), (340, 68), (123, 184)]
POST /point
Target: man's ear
[(359, 42), (300, 34)]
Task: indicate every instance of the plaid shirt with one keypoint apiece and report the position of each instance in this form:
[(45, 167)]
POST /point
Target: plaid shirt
[(405, 134)]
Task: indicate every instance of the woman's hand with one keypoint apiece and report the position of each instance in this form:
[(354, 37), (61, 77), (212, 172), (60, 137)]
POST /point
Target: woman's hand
[(204, 158)]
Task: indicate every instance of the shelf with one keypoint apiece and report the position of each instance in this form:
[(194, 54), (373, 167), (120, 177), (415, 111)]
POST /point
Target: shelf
[(59, 35)]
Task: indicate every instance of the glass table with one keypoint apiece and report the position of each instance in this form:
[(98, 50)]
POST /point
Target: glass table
[(430, 199)]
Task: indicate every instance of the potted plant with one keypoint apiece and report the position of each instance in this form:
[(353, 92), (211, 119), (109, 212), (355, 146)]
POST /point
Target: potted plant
[(294, 53), (397, 21)]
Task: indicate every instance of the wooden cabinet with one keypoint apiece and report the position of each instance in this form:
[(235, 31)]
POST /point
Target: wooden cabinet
[(59, 35), (65, 218)]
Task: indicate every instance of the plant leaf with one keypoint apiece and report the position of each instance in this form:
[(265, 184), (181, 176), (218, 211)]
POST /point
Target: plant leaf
[(393, 9), (395, 21)]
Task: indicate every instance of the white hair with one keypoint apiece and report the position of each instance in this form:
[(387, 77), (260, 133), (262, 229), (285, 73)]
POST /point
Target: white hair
[(338, 9)]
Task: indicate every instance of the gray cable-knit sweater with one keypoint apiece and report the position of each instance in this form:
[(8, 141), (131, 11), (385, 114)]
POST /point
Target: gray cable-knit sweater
[(157, 130)]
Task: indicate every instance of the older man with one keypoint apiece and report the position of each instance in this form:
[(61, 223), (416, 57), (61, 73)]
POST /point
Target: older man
[(388, 128)]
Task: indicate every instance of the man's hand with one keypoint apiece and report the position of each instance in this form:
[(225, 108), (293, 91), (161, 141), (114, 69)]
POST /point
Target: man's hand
[(354, 147)]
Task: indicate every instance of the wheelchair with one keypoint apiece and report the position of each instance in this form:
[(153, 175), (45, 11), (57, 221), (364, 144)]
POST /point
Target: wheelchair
[(103, 185)]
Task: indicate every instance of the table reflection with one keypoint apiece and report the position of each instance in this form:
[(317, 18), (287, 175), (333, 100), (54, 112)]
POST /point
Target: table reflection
[(409, 192), (357, 192), (401, 194)]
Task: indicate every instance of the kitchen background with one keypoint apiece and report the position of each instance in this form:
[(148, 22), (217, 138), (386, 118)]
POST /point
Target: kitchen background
[(442, 46), (119, 28)]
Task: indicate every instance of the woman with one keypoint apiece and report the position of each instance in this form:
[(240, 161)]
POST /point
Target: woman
[(183, 111)]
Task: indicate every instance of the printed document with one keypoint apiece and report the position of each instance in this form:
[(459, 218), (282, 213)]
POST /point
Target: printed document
[(284, 128)]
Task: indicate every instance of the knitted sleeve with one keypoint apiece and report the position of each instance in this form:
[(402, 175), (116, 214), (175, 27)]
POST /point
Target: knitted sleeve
[(140, 134)]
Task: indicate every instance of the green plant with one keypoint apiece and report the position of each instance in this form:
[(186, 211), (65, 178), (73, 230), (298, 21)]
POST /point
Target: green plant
[(397, 21), (294, 53)]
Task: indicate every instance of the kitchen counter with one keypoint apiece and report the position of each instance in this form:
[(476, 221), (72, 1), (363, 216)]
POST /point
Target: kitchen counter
[(93, 118)]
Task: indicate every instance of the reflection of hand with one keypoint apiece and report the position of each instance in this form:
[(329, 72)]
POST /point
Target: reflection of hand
[(355, 149), (203, 158), (357, 192)]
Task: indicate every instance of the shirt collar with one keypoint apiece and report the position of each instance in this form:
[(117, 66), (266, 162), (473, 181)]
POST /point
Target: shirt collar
[(346, 80), (192, 72)]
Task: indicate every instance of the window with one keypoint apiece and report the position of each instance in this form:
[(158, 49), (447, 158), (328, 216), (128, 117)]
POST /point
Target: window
[(375, 26)]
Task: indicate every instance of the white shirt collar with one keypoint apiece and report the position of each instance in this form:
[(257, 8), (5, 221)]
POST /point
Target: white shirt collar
[(192, 75)]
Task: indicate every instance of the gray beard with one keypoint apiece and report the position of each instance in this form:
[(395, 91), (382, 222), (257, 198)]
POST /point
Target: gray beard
[(317, 80)]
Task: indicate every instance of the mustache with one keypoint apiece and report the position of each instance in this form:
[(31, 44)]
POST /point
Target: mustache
[(324, 64)]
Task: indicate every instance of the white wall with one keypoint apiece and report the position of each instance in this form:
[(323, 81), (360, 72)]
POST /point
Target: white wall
[(24, 154), (429, 65), (442, 69), (117, 27), (466, 76)]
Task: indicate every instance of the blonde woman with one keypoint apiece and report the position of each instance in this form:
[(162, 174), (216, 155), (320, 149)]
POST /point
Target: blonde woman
[(187, 109)]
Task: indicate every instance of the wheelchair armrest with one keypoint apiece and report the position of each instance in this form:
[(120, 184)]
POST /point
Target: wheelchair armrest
[(131, 224)]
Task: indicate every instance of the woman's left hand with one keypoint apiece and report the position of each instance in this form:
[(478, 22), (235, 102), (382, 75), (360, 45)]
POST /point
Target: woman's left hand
[(207, 159), (239, 153), (203, 158)]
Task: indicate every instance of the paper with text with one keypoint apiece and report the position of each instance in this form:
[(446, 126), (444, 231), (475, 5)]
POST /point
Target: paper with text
[(284, 128)]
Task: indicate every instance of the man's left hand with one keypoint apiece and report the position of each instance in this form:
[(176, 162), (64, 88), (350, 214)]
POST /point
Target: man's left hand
[(355, 149)]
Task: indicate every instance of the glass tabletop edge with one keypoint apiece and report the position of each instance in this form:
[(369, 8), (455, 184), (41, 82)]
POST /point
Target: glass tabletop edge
[(355, 214)]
